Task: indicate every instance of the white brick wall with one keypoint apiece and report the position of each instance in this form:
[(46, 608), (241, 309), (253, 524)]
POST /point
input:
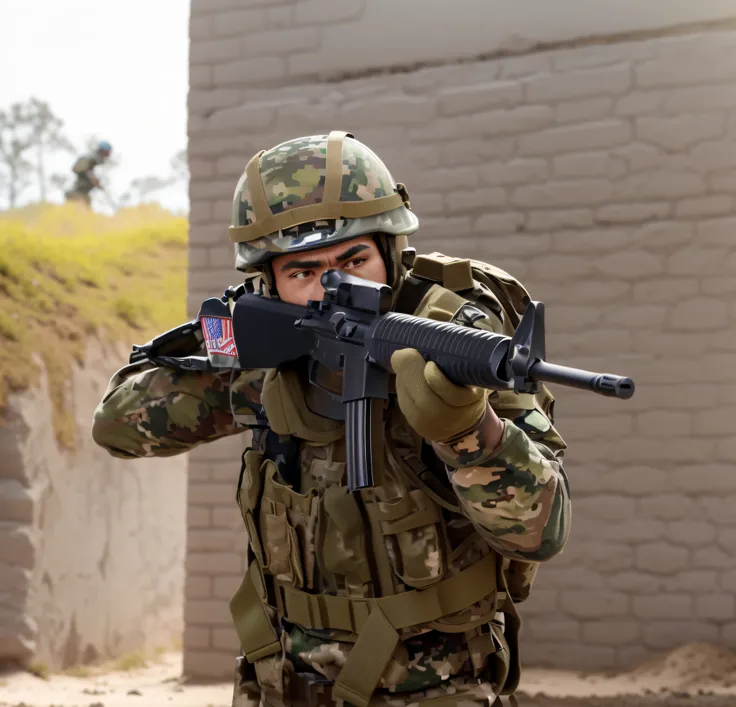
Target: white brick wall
[(604, 177)]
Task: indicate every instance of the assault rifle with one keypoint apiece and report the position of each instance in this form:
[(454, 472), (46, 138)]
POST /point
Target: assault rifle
[(351, 331)]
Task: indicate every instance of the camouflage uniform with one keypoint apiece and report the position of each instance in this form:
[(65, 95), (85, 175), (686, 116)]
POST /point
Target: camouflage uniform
[(454, 523), (85, 181)]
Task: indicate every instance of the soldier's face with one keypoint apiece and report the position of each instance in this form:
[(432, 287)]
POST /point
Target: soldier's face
[(297, 274)]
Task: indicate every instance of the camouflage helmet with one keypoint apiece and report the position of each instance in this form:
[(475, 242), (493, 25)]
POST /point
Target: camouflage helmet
[(312, 192)]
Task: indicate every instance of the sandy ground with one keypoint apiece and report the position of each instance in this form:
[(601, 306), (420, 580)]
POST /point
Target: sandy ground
[(696, 675)]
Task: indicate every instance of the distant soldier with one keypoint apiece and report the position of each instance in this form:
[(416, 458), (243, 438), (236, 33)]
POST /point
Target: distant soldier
[(84, 169)]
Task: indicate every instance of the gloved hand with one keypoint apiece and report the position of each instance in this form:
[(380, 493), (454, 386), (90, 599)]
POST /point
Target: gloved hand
[(434, 406)]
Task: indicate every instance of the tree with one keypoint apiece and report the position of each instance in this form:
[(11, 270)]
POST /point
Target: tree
[(140, 189), (143, 187), (16, 139), (180, 166), (47, 137), (58, 181)]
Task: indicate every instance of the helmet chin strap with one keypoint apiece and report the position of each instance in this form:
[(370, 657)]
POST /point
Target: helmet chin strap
[(383, 248), (269, 281), (390, 252), (259, 280)]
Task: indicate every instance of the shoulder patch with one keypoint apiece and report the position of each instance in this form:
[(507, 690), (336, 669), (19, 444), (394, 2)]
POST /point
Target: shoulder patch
[(218, 336)]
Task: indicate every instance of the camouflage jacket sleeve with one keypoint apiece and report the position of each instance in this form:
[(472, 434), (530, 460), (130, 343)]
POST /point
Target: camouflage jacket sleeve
[(516, 494), (149, 411)]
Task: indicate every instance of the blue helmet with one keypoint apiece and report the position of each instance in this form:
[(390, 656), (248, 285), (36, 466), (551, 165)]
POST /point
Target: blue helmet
[(104, 147)]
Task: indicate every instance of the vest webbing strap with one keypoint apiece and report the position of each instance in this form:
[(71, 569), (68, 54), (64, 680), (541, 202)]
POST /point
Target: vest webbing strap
[(419, 606), (381, 561), (257, 635), (367, 660), (376, 621)]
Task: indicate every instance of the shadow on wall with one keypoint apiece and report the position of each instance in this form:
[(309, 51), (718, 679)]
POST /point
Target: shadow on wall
[(91, 547)]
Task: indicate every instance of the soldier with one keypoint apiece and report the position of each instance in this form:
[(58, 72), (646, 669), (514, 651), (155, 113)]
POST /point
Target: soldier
[(405, 592), (84, 169)]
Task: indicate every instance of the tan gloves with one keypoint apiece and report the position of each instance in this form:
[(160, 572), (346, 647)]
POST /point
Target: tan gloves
[(436, 408)]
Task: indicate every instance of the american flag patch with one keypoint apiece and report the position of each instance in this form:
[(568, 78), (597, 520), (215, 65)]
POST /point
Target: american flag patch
[(218, 336)]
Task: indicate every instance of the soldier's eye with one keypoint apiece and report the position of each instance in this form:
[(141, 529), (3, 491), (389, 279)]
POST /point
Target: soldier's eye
[(355, 262), (301, 275)]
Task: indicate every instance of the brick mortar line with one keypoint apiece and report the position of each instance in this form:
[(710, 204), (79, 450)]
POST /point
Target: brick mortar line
[(332, 77)]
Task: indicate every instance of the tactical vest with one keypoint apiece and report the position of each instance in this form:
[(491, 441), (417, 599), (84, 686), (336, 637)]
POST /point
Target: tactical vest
[(389, 531)]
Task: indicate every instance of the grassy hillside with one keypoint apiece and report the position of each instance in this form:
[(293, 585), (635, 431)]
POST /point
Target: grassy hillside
[(67, 274)]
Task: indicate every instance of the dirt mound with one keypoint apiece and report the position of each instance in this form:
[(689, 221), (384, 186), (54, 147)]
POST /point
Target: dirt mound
[(701, 673), (695, 664), (68, 275), (626, 701)]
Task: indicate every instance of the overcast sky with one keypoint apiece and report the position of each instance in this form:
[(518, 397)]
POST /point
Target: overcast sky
[(116, 69)]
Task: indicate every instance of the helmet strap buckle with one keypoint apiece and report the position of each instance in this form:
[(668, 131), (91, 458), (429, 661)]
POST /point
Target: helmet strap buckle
[(401, 189)]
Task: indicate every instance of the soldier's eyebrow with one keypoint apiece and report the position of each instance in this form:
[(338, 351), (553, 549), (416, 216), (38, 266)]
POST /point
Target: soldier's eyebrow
[(306, 264), (351, 252), (300, 264)]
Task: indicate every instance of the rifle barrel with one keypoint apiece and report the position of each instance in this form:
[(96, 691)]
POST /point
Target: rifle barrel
[(607, 384)]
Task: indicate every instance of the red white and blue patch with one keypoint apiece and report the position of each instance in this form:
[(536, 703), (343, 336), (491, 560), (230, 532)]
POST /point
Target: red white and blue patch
[(218, 336)]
